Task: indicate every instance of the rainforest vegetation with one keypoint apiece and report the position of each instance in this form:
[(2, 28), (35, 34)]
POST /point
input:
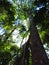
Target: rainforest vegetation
[(24, 32)]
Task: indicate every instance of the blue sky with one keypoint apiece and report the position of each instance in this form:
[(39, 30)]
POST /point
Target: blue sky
[(1, 31)]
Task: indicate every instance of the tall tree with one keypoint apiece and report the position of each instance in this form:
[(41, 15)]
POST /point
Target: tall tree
[(39, 56), (37, 12)]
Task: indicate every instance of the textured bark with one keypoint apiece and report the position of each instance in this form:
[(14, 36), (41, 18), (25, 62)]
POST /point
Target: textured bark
[(39, 56)]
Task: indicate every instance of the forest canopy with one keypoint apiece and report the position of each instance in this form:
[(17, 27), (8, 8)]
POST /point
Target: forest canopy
[(23, 23)]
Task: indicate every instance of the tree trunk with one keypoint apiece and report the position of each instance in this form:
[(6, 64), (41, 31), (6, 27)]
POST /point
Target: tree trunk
[(25, 52), (39, 56)]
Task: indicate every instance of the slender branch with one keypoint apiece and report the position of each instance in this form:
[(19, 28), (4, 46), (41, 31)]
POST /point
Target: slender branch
[(10, 33)]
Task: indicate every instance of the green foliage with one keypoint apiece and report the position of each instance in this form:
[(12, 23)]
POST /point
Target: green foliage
[(7, 12), (11, 12), (4, 57)]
